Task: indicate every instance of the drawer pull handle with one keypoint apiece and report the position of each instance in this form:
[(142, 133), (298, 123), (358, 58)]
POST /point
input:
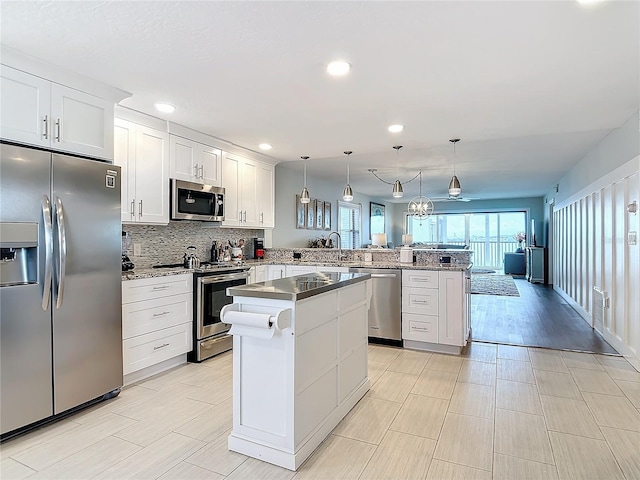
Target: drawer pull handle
[(421, 279), (420, 328), (422, 302), (160, 314), (162, 287), (161, 346)]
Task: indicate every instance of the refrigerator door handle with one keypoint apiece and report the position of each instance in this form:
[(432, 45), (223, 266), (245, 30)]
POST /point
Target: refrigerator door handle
[(48, 251), (62, 252)]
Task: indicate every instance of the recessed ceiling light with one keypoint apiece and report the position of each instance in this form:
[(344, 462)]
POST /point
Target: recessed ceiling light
[(589, 2), (164, 107), (395, 128), (265, 146), (338, 68)]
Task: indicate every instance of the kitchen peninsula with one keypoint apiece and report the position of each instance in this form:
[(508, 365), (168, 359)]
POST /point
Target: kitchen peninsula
[(299, 362)]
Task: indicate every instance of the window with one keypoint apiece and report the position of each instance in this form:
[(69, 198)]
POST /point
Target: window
[(349, 224), (489, 235)]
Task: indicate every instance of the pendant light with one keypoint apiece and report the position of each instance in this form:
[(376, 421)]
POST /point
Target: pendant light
[(397, 191), (454, 184), (347, 195), (304, 195), (420, 207)]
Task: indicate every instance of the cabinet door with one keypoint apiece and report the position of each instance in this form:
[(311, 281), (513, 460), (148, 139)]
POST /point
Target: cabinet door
[(451, 309), (210, 165), (24, 110), (182, 160), (293, 270), (275, 271), (124, 146), (81, 123), (230, 179), (152, 176), (249, 193), (266, 196), (260, 273)]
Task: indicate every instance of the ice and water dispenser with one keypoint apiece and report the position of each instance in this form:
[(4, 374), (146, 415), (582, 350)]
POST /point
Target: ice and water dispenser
[(18, 253)]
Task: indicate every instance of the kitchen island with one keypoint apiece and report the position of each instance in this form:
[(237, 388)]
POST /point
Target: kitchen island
[(299, 362)]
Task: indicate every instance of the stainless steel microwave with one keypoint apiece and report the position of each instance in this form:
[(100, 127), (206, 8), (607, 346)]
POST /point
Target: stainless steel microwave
[(193, 201)]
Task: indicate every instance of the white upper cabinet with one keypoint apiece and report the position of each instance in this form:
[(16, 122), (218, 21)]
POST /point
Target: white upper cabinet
[(249, 192), (38, 112), (195, 162), (266, 195), (142, 154)]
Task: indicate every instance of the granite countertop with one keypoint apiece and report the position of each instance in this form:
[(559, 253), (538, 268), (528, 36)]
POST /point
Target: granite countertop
[(138, 273), (298, 287), (458, 267)]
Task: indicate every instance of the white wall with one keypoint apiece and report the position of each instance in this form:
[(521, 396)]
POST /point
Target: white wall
[(289, 184), (590, 228)]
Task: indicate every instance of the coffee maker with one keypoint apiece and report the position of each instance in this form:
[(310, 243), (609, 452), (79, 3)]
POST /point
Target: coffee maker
[(258, 247)]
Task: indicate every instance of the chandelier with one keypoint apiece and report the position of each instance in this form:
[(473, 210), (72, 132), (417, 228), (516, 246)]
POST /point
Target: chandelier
[(420, 207)]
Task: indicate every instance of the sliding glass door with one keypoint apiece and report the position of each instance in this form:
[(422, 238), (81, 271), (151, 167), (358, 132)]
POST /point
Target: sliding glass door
[(490, 235)]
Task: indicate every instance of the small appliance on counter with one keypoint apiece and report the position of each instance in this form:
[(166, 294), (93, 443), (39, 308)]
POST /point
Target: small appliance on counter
[(190, 259), (127, 264), (258, 248)]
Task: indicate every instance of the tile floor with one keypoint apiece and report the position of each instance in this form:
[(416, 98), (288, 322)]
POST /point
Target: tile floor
[(498, 412)]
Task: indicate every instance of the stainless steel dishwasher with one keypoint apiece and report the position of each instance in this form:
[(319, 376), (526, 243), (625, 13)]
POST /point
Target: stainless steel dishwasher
[(385, 321)]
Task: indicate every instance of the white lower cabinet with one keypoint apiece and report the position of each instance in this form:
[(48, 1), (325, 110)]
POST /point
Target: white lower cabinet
[(293, 270), (434, 310), (157, 323), (275, 271)]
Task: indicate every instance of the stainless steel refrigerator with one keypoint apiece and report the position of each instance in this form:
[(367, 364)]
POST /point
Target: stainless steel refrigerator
[(60, 284)]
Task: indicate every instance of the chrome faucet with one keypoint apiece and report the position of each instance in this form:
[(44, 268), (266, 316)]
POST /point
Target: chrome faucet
[(340, 256)]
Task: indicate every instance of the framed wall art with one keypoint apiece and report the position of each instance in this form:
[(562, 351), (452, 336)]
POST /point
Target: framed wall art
[(376, 218), (327, 215), (319, 214), (301, 213), (311, 214)]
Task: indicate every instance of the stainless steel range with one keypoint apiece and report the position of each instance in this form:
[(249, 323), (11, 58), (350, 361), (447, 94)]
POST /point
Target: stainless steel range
[(210, 283)]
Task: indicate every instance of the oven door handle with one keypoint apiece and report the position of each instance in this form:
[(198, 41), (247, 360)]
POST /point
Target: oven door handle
[(222, 278)]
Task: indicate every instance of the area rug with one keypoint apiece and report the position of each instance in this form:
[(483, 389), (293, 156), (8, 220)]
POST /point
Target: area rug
[(494, 285), (482, 270)]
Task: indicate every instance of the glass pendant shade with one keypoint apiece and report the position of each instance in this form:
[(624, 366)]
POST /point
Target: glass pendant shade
[(454, 187), (347, 195), (304, 196), (397, 191)]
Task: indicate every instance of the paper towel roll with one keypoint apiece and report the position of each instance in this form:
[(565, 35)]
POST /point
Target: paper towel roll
[(245, 324), (255, 320)]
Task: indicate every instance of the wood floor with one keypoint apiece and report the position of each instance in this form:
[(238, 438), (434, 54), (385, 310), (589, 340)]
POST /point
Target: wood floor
[(539, 317), (495, 413)]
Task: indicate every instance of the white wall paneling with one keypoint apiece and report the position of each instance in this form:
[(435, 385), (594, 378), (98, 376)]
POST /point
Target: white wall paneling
[(591, 238)]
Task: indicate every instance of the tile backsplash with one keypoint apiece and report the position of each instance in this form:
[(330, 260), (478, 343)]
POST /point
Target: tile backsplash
[(164, 244)]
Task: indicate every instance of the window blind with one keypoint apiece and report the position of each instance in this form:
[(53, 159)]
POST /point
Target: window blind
[(349, 223)]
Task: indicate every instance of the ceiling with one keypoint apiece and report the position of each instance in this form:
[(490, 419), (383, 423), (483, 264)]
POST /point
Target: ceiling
[(529, 87)]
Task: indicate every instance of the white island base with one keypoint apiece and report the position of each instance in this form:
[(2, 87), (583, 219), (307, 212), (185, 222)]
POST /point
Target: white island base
[(299, 364)]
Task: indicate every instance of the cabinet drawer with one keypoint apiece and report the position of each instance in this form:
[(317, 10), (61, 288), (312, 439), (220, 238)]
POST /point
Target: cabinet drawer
[(157, 287), (420, 278), (146, 350), (422, 328), (423, 301), (148, 316)]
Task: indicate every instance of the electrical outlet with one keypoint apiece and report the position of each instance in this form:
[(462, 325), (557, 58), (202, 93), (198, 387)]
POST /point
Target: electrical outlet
[(632, 238), (137, 249)]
